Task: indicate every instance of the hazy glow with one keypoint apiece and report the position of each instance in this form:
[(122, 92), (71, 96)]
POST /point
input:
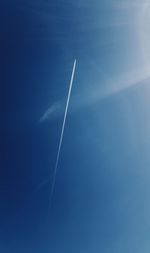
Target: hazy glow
[(130, 76)]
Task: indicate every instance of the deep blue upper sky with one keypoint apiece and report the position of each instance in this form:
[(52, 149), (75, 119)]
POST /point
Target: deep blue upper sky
[(101, 197)]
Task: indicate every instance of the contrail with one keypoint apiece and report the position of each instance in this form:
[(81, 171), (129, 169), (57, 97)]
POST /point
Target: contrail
[(62, 131)]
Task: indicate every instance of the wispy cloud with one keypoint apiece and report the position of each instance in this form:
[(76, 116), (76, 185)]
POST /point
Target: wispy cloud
[(98, 85), (90, 96), (52, 111)]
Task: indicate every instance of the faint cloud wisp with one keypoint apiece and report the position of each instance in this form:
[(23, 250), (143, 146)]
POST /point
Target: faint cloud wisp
[(52, 111)]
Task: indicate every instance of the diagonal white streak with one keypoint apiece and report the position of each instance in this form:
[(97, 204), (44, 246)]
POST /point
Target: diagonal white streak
[(62, 130)]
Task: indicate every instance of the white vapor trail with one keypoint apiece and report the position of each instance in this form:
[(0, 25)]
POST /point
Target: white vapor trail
[(62, 131)]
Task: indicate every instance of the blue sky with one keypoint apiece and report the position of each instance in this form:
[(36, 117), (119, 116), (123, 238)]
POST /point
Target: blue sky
[(101, 197)]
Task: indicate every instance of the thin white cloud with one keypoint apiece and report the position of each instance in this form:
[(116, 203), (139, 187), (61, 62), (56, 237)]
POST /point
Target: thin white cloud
[(52, 111), (90, 97)]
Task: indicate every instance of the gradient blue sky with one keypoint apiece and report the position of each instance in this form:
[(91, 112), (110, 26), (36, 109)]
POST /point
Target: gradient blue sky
[(101, 197)]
